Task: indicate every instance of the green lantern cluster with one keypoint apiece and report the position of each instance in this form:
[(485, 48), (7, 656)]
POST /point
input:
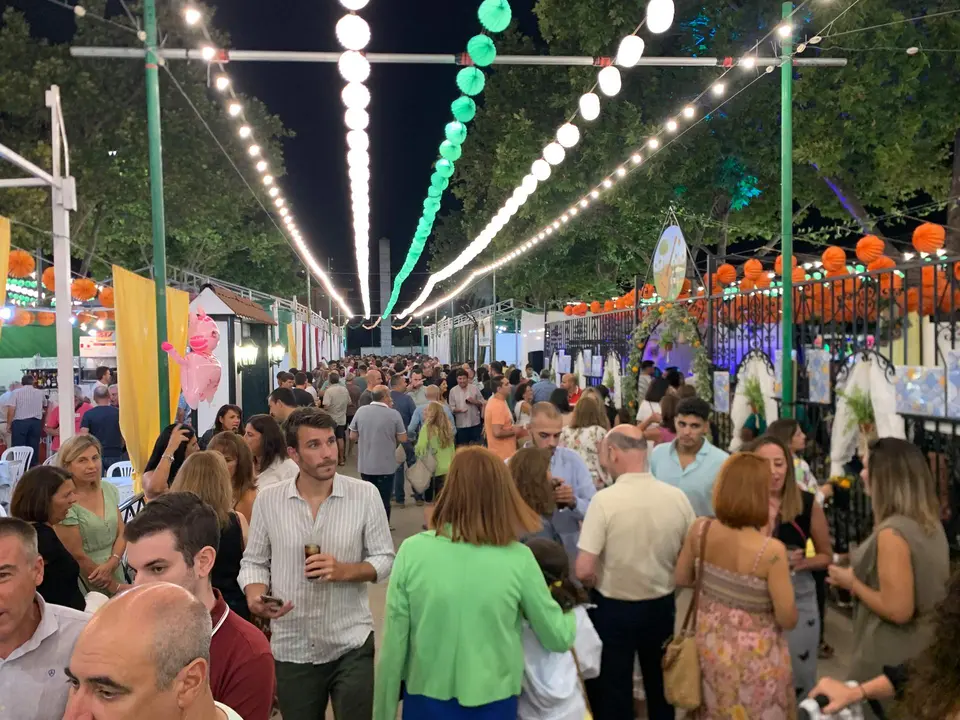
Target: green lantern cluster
[(494, 16)]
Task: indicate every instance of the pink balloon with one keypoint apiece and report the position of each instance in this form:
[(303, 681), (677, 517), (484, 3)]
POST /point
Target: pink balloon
[(200, 370)]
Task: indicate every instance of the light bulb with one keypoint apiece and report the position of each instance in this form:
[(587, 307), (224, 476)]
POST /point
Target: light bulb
[(261, 166), (355, 95), (244, 131), (659, 16), (568, 135), (540, 170), (356, 119), (594, 194), (689, 111), (358, 140), (748, 61), (630, 51), (234, 109), (621, 171), (671, 125), (653, 143), (529, 184), (359, 173), (353, 66), (273, 192), (589, 106), (268, 179), (609, 81), (222, 82), (254, 150), (354, 4), (511, 206), (608, 183), (359, 158), (353, 32), (584, 203), (191, 15), (554, 153), (208, 53), (718, 88), (637, 159), (278, 202), (785, 30), (283, 212)]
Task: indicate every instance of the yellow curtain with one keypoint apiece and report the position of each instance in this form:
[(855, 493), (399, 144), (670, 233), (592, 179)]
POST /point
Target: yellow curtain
[(292, 342), (137, 345), (4, 257)]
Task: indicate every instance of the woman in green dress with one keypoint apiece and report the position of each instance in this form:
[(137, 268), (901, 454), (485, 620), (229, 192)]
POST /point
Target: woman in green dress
[(93, 528)]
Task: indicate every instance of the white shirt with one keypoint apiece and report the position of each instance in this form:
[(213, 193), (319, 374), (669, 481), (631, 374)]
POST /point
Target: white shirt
[(32, 681), (28, 403), (647, 409), (279, 471), (312, 390), (231, 714), (328, 619)]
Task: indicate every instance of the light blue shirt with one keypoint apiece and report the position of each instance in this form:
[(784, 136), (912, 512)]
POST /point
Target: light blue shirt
[(416, 422), (568, 466), (542, 391), (696, 480)]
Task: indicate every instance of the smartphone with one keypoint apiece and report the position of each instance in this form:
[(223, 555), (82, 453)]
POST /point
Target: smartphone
[(270, 600)]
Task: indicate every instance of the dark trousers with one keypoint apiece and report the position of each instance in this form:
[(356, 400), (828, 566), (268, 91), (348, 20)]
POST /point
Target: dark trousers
[(384, 484), (400, 476), (820, 578), (26, 433), (628, 629), (469, 435), (303, 690)]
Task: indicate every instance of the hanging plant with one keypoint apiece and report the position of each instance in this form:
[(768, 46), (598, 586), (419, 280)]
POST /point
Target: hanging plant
[(861, 409), (21, 264)]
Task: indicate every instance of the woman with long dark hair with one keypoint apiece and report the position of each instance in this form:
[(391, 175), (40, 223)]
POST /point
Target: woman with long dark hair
[(175, 444), (229, 419), (270, 460), (239, 460)]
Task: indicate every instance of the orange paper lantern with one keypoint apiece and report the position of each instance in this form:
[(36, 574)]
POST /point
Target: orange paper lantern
[(726, 274), (48, 279), (956, 271), (747, 285), (46, 319), (913, 299), (929, 237), (647, 292), (608, 305), (778, 265), (881, 263), (834, 258), (685, 288), (869, 248), (798, 275), (580, 309), (930, 276), (595, 306), (21, 264), (22, 318), (752, 269), (83, 289), (106, 297), (568, 310), (762, 282)]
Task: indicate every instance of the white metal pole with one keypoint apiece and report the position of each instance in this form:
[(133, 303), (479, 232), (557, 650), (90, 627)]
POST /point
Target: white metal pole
[(61, 264)]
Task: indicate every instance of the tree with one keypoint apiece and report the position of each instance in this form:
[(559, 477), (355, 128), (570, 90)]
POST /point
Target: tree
[(869, 139), (214, 225)]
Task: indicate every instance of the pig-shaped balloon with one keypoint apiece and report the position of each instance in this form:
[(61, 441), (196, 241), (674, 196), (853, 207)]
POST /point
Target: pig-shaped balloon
[(199, 370)]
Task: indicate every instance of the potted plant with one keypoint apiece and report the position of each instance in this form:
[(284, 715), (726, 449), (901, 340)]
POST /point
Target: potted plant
[(862, 415)]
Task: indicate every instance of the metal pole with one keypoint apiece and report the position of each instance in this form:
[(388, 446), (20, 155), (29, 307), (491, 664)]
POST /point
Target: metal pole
[(309, 326), (493, 321), (330, 309), (156, 198), (434, 58), (786, 210)]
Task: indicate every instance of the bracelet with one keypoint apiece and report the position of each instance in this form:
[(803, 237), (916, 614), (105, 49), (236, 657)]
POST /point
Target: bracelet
[(863, 692), (114, 555)]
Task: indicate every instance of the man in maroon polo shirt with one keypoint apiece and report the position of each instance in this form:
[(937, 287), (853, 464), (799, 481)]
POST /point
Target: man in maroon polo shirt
[(174, 539)]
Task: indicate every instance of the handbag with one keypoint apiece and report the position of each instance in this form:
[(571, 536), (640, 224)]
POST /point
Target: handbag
[(400, 455), (420, 474), (583, 688), (681, 662)]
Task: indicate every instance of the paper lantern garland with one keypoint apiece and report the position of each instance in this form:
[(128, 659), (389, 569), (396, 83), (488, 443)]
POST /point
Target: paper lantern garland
[(869, 248), (470, 80), (48, 278), (834, 259), (21, 264), (726, 274), (778, 265), (83, 289), (494, 15), (455, 132), (464, 109), (46, 319), (481, 50), (449, 151), (22, 318), (444, 168), (752, 269)]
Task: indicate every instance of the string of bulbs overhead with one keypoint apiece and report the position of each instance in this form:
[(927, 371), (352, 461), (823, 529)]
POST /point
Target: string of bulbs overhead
[(659, 18), (221, 81)]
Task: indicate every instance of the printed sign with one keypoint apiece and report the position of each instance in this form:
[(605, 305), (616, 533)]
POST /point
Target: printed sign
[(670, 263)]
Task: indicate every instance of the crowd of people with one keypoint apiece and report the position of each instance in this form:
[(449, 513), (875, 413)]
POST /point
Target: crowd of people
[(564, 543)]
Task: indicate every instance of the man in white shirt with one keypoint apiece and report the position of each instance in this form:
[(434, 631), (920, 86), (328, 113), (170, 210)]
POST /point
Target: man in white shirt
[(145, 655), (466, 402), (336, 399), (25, 417), (36, 638), (631, 536)]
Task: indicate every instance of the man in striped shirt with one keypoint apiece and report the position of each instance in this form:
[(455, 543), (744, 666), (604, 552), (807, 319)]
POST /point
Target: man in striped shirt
[(25, 416), (314, 543)]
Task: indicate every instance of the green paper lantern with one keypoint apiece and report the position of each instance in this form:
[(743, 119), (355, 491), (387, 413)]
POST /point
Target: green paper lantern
[(464, 109), (455, 132), (481, 50), (450, 151), (470, 80), (445, 168), (434, 192), (431, 204), (494, 15), (439, 181)]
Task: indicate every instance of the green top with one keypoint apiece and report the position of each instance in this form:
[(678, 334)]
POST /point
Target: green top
[(444, 455), (98, 534), (453, 623)]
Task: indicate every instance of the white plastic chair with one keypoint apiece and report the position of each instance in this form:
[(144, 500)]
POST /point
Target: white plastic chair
[(51, 460), (120, 469), (20, 458)]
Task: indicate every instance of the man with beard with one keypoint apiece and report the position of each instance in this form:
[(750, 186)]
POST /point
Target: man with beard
[(318, 540), (574, 484)]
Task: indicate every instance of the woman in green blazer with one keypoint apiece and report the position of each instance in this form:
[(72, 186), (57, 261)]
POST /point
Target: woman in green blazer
[(457, 597)]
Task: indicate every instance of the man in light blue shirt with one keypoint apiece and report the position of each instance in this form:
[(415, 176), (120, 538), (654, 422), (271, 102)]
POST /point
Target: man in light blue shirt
[(432, 393), (576, 488), (543, 389), (690, 462)]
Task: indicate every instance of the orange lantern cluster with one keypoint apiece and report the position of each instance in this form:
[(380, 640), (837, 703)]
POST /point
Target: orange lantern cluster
[(21, 264)]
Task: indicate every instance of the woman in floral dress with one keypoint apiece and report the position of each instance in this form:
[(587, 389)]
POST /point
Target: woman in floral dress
[(746, 600), (587, 428)]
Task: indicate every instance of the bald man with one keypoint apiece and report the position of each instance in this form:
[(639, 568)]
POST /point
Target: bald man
[(569, 383), (631, 536), (373, 378), (130, 664)]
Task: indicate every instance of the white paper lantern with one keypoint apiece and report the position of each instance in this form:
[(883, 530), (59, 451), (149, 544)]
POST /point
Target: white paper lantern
[(568, 135), (529, 183), (353, 66), (356, 119), (554, 153), (609, 80), (358, 140), (589, 106), (354, 33), (359, 174), (511, 206), (355, 95), (659, 16), (354, 4), (541, 170), (630, 51), (359, 158)]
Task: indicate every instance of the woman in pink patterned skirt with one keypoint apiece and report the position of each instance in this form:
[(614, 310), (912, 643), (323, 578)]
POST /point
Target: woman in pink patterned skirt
[(746, 600)]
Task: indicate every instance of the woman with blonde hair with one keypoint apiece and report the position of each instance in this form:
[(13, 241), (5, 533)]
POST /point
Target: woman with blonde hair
[(205, 474), (900, 573), (457, 647), (746, 599), (92, 530), (588, 426), (436, 437), (240, 465)]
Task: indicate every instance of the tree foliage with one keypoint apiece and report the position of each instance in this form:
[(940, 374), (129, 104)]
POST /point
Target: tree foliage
[(880, 130), (214, 225)]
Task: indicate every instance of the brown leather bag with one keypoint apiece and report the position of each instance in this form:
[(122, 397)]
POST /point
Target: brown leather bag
[(681, 662)]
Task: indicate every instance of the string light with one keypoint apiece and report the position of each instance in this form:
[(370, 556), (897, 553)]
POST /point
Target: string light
[(748, 62), (630, 51), (589, 106), (659, 16), (208, 52), (689, 111), (353, 33), (191, 15), (222, 82), (718, 88), (671, 125), (244, 131), (234, 109), (609, 80)]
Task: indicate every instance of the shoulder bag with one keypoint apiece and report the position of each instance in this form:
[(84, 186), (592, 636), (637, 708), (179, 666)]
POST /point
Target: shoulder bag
[(583, 688), (420, 474), (681, 662)]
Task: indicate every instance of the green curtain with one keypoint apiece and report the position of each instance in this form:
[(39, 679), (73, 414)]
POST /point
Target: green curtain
[(25, 342), (285, 318)]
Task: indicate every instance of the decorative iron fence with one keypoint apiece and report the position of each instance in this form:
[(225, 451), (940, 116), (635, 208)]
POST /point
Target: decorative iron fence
[(599, 333)]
